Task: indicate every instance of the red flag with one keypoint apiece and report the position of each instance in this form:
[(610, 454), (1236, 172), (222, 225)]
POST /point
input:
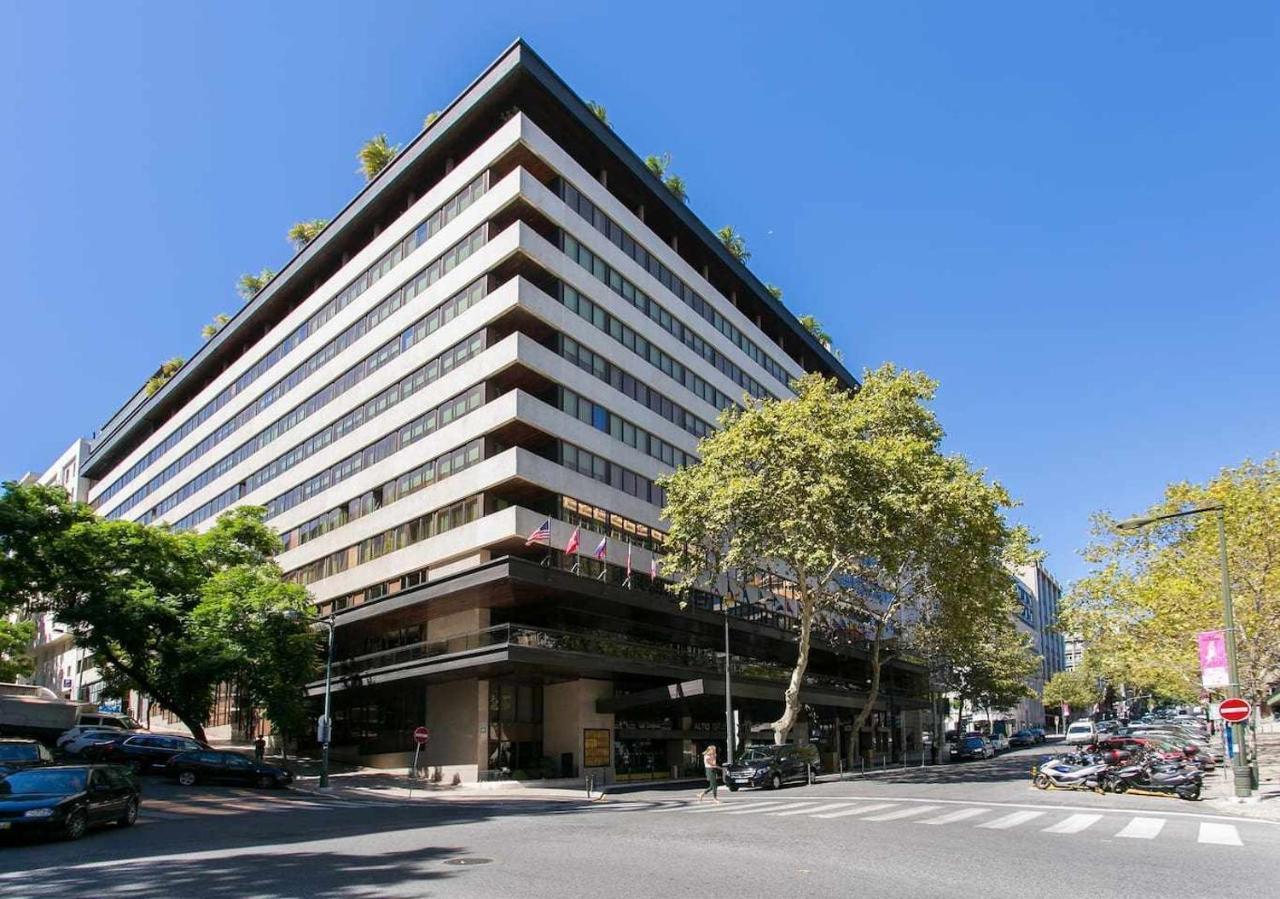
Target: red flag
[(574, 540)]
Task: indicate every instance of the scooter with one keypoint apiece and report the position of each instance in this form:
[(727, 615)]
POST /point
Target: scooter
[(1061, 774), (1146, 779)]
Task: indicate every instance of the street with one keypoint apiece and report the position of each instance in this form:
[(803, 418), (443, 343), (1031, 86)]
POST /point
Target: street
[(976, 826)]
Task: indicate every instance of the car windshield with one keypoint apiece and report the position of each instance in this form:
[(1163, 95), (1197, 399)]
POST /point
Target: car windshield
[(972, 742), (18, 752), (46, 781), (757, 755)]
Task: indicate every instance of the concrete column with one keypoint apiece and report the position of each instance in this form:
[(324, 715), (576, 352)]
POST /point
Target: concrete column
[(453, 715), (567, 710)]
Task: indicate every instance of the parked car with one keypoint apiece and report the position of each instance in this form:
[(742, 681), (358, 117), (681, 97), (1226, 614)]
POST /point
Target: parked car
[(67, 799), (1038, 733), (973, 746), (999, 742), (1082, 733), (118, 720), (215, 766), (1023, 738), (772, 766), (75, 739), (17, 753), (142, 752)]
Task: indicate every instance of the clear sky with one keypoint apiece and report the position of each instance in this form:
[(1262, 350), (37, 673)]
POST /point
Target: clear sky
[(1070, 217)]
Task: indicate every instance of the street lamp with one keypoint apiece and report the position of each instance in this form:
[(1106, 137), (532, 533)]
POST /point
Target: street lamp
[(326, 722), (1242, 776)]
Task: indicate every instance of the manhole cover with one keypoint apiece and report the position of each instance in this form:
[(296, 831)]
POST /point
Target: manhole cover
[(469, 860)]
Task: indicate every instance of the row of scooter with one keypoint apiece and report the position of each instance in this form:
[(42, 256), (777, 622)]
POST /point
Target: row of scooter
[(1119, 771)]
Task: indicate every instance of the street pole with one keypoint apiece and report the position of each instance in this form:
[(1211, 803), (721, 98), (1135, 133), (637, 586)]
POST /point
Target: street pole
[(328, 721), (1242, 776), (728, 701)]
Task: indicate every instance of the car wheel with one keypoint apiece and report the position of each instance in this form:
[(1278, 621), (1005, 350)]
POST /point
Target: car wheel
[(1119, 785), (775, 782), (266, 781), (733, 787), (130, 814), (187, 778), (76, 824), (1041, 781)]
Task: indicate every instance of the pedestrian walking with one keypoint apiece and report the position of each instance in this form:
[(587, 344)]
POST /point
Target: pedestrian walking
[(259, 748), (710, 763)]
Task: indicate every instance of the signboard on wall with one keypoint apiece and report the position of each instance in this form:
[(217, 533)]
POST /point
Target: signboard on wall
[(596, 749)]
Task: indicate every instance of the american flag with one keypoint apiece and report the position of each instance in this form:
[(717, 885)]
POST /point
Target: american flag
[(541, 535)]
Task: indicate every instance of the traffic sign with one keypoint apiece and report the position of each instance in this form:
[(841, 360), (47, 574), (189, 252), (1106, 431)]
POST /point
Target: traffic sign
[(421, 736), (1234, 710)]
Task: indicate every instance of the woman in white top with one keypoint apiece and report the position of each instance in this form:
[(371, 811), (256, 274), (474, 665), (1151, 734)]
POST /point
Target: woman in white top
[(709, 761)]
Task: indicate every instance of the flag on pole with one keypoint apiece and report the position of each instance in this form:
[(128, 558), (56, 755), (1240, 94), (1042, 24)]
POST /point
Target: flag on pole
[(541, 535), (602, 548), (653, 567), (627, 581), (575, 539)]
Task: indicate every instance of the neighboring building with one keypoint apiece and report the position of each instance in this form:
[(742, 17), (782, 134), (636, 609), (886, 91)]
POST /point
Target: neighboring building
[(515, 322), (1051, 646), (1073, 652)]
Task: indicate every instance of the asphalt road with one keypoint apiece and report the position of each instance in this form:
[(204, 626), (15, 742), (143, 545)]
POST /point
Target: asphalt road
[(970, 829)]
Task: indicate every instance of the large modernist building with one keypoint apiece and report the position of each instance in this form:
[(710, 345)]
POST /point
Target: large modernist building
[(515, 322)]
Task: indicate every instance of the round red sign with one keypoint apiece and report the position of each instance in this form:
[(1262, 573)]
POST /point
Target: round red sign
[(1234, 710), (421, 735)]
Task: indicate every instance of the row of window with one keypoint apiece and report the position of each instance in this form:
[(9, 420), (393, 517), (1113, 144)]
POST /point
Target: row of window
[(646, 260), (374, 407), (619, 529), (411, 532), (619, 428), (410, 482), (608, 323), (440, 217), (363, 369), (601, 469), (658, 313), (595, 364)]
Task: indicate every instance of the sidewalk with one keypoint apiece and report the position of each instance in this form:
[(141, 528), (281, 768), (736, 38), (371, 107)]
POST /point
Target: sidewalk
[(1219, 792)]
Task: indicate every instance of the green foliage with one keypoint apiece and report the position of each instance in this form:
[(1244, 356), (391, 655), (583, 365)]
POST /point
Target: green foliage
[(848, 496), (674, 183), (156, 608), (598, 110), (735, 243), (1078, 689), (302, 233), (219, 322), (774, 291), (814, 327), (16, 638), (376, 155), (1149, 593), (431, 117), (167, 370), (250, 285)]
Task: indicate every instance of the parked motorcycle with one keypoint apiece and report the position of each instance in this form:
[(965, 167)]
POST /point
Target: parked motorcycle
[(1145, 778), (1070, 772)]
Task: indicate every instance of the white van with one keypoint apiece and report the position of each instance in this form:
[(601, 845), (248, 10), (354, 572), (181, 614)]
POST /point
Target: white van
[(1082, 733)]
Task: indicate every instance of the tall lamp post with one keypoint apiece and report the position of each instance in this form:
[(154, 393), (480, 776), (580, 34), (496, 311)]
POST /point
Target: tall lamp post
[(325, 729), (1242, 776)]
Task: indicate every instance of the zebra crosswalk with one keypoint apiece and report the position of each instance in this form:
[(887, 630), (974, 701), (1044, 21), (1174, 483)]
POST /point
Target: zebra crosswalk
[(177, 810), (979, 817)]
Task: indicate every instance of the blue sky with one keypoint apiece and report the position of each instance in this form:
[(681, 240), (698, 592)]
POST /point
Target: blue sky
[(1070, 217)]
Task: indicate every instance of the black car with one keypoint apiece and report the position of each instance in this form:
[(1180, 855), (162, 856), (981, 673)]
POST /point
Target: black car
[(772, 766), (67, 800), (16, 754), (975, 746), (141, 752), (1023, 738), (214, 766)]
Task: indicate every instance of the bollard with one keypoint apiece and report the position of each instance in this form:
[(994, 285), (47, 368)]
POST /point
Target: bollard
[(591, 782)]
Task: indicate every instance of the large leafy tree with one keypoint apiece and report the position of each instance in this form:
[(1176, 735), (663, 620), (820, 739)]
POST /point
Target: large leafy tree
[(1077, 689), (15, 649), (848, 496), (1150, 592), (149, 603)]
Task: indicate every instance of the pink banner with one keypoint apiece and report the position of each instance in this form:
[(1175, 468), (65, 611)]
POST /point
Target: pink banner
[(1213, 659)]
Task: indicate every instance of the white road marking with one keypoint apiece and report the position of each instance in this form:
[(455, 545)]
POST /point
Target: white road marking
[(951, 817), (903, 813), (1143, 828), (809, 811), (1219, 834), (1073, 824), (1011, 820), (774, 808), (726, 806), (857, 811)]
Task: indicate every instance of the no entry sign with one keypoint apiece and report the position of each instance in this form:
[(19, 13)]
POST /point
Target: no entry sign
[(1234, 710), (421, 736)]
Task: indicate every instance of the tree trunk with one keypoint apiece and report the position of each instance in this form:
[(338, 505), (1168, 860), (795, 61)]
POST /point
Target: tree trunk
[(783, 725), (874, 692), (196, 728)]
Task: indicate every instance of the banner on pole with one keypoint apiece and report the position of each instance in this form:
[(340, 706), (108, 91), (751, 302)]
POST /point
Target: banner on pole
[(1213, 659)]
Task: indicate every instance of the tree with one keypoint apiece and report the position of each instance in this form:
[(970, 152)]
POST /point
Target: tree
[(1078, 689), (166, 371), (735, 243), (250, 285), (674, 183), (302, 233), (847, 496), (16, 638), (376, 155), (1150, 592), (598, 110), (142, 598), (219, 322)]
